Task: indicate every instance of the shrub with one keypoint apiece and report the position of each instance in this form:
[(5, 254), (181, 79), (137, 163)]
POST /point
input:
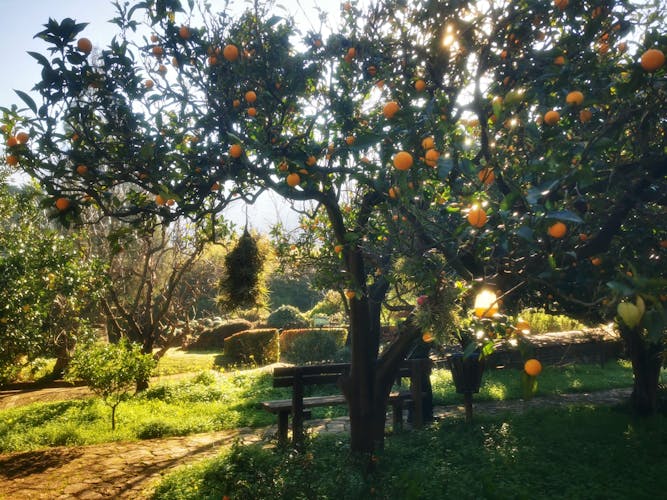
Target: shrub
[(312, 344), (542, 322), (286, 317), (331, 304), (214, 337), (111, 371), (253, 347)]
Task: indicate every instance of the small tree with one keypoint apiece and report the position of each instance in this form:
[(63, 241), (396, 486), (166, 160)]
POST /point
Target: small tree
[(111, 371)]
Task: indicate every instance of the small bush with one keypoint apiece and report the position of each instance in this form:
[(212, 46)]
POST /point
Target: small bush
[(312, 344), (214, 337), (331, 304), (111, 370), (155, 429), (286, 317), (253, 347), (542, 322)]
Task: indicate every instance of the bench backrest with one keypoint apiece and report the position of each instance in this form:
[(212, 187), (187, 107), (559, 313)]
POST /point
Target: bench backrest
[(286, 376)]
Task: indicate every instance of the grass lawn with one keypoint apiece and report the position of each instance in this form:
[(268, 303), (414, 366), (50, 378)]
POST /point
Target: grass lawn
[(573, 453), (214, 401)]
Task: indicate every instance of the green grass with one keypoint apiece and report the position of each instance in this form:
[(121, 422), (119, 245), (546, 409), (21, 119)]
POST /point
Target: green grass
[(216, 401), (570, 453), (501, 384), (178, 361)]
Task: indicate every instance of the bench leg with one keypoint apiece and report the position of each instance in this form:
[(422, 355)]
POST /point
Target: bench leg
[(283, 417), (397, 415)]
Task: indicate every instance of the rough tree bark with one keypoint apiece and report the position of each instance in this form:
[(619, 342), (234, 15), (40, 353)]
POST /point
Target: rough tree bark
[(646, 363)]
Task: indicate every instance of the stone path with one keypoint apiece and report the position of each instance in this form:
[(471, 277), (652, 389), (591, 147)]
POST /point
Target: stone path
[(128, 470)]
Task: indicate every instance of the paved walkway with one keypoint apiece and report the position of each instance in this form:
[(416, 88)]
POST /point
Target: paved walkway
[(128, 470)]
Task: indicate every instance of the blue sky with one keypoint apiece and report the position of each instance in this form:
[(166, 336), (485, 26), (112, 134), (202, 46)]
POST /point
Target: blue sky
[(22, 20)]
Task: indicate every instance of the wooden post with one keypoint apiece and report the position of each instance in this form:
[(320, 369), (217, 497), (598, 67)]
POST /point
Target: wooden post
[(467, 397), (297, 409), (416, 368), (283, 417)]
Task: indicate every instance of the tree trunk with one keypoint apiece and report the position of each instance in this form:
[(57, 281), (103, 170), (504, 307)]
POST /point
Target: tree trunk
[(646, 362), (359, 388), (148, 340)]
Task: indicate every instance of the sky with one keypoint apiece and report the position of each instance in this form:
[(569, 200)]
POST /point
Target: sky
[(21, 71)]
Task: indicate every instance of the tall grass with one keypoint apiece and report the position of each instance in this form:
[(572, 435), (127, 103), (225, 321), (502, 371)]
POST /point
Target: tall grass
[(571, 453), (215, 401)]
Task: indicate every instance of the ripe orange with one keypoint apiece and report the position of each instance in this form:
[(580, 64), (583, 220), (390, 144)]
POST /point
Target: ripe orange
[(350, 294), (349, 140), (420, 85), (62, 204), (431, 157), (477, 216), (157, 51), (532, 367), (235, 150), (162, 69), (428, 143), (487, 176), (551, 117), (215, 186), (81, 169), (583, 236), (282, 166), (154, 38), (12, 141), (390, 109), (557, 230), (230, 52), (559, 60), (585, 115), (148, 84), (84, 45), (184, 32), (12, 160), (596, 261), (252, 111), (311, 161), (575, 98), (561, 4), (403, 160), (663, 244), (236, 103), (351, 53), (250, 96), (338, 248), (22, 137), (372, 70), (652, 60), (293, 179), (393, 192), (160, 200)]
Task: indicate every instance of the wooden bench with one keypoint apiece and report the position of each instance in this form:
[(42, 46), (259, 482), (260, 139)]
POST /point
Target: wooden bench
[(298, 377)]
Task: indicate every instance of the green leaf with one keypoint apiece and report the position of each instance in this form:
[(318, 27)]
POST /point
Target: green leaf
[(525, 232), (620, 288), (28, 100), (40, 59), (654, 322), (565, 215)]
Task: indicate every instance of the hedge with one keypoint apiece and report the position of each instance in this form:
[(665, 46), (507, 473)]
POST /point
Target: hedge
[(255, 347), (214, 337), (312, 344)]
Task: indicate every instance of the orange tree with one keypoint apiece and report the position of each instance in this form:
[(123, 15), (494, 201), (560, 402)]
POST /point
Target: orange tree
[(48, 285), (426, 117)]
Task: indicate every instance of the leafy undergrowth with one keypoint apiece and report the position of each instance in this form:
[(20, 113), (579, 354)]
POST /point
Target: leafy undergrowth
[(215, 401), (569, 453), (501, 384)]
